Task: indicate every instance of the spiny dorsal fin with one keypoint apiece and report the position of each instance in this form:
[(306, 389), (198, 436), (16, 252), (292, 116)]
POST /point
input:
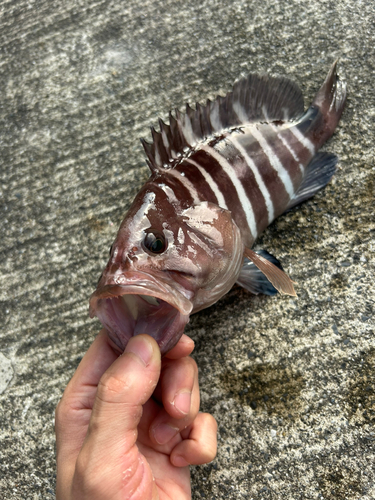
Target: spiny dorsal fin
[(256, 98)]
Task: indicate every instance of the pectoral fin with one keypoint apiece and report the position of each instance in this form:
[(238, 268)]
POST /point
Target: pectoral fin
[(253, 279), (268, 266)]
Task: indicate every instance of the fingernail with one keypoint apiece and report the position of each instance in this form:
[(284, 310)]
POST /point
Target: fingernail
[(164, 433), (182, 402), (141, 347), (179, 461)]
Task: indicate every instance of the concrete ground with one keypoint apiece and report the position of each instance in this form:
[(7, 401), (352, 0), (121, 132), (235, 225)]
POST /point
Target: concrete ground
[(290, 381)]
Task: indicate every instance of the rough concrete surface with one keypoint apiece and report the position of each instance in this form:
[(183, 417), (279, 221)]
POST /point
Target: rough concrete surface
[(290, 381)]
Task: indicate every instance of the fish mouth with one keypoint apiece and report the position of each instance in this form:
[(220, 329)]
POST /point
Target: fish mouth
[(141, 304)]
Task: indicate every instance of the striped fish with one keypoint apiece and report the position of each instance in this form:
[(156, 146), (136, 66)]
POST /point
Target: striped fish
[(220, 174)]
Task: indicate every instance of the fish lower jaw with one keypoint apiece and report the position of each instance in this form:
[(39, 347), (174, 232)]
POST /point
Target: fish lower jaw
[(132, 314)]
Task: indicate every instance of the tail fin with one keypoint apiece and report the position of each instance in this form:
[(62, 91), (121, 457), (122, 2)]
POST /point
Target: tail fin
[(330, 100)]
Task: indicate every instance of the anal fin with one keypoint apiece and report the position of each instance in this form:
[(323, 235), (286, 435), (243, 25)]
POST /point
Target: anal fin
[(262, 273), (318, 173)]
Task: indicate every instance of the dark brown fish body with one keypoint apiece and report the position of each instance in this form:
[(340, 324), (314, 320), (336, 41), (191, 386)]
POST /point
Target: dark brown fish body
[(220, 175)]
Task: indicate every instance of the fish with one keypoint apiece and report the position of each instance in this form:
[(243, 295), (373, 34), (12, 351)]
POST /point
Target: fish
[(219, 175)]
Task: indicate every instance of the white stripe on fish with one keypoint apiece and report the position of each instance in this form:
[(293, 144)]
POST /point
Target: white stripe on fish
[(258, 178), (228, 169), (287, 145), (186, 183), (305, 141), (275, 162), (210, 181)]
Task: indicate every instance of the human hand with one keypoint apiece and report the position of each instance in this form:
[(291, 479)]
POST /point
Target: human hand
[(107, 448)]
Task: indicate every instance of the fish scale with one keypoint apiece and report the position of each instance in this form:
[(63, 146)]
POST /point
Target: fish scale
[(220, 174)]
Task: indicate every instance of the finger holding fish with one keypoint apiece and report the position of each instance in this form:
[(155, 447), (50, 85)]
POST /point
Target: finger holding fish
[(184, 347)]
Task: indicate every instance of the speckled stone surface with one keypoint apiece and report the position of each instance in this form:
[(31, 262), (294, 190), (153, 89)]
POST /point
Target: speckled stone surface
[(290, 381)]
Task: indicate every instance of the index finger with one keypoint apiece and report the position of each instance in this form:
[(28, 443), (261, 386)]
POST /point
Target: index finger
[(184, 347)]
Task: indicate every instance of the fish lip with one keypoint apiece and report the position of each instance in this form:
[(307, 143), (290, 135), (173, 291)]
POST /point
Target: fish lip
[(165, 322), (174, 298)]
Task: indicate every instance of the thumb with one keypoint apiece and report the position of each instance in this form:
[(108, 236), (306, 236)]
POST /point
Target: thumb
[(127, 384), (109, 460)]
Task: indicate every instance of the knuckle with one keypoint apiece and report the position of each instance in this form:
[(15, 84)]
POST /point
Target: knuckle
[(189, 368), (193, 363), (110, 386), (211, 422), (211, 430), (64, 413), (189, 362), (210, 454)]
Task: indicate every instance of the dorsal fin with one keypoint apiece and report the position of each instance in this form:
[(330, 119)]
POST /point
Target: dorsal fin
[(256, 98)]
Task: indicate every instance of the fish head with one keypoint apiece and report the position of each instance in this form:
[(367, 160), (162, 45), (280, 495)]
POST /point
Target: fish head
[(165, 263)]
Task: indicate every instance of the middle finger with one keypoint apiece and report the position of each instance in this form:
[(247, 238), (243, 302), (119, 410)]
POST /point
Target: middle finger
[(180, 397)]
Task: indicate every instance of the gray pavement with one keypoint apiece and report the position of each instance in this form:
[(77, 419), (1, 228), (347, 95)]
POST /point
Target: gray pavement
[(290, 381)]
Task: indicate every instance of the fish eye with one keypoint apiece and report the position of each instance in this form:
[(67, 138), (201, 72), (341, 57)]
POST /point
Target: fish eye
[(154, 242)]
